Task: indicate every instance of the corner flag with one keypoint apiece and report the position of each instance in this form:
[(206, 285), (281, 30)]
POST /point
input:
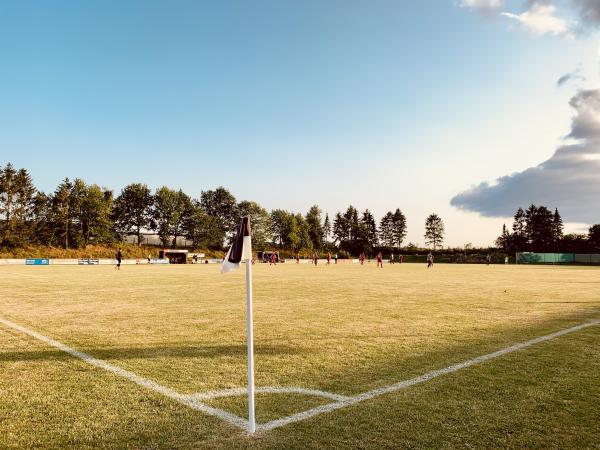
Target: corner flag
[(241, 250)]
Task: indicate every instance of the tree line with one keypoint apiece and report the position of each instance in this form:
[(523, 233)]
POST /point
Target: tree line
[(77, 214), (538, 229)]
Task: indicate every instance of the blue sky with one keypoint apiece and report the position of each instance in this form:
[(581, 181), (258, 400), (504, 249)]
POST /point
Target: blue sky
[(377, 104)]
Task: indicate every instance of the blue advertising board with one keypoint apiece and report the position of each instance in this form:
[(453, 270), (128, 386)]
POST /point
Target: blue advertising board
[(37, 262)]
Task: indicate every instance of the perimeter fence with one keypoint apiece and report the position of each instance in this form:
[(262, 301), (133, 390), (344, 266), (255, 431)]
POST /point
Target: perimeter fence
[(558, 258)]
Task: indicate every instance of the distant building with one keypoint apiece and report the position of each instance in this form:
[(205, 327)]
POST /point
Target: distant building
[(154, 239)]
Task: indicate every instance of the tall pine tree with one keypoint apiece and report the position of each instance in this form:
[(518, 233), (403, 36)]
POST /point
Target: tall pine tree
[(519, 236), (557, 227), (17, 202), (326, 229), (315, 229), (434, 231), (386, 230), (63, 211), (368, 227), (399, 228)]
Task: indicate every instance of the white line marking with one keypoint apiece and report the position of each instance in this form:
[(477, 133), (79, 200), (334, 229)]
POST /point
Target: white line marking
[(420, 379), (144, 382), (193, 400), (210, 395)]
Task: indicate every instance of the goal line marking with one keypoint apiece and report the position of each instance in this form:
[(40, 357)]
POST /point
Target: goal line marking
[(340, 401)]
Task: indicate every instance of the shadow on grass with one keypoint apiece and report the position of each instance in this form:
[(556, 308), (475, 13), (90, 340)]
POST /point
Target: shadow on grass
[(211, 351), (392, 366), (373, 424)]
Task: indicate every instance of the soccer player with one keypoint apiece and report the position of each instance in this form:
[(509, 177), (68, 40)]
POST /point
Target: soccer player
[(273, 259), (429, 260), (328, 258), (488, 259), (119, 258), (379, 260), (315, 258), (297, 258)]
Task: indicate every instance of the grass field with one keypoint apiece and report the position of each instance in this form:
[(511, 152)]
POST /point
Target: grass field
[(342, 329)]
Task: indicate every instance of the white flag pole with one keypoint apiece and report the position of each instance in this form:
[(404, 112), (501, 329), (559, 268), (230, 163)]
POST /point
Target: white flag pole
[(251, 419)]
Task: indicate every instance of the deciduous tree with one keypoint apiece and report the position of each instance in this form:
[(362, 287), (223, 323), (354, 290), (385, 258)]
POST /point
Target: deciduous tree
[(171, 209), (260, 220), (94, 214), (203, 230), (221, 203), (280, 224), (132, 211)]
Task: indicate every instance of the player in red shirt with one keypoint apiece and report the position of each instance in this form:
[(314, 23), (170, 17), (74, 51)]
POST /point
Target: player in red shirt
[(379, 260)]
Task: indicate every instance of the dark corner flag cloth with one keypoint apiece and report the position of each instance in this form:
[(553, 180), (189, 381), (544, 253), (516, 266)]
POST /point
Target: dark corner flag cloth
[(241, 249)]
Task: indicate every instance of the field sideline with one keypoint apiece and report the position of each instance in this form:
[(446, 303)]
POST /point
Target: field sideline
[(343, 330)]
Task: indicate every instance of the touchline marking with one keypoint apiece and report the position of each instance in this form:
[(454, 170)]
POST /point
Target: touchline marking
[(141, 381), (341, 401), (420, 379)]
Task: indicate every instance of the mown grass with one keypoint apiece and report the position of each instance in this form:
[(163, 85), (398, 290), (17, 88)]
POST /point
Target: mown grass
[(345, 329)]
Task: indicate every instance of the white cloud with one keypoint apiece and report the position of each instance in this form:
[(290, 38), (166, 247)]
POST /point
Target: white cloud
[(540, 19), (483, 6), (568, 180)]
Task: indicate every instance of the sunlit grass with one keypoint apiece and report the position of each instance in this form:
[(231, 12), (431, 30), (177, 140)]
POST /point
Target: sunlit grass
[(344, 329)]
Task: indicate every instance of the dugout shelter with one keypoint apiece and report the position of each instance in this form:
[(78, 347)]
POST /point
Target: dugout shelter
[(174, 256)]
